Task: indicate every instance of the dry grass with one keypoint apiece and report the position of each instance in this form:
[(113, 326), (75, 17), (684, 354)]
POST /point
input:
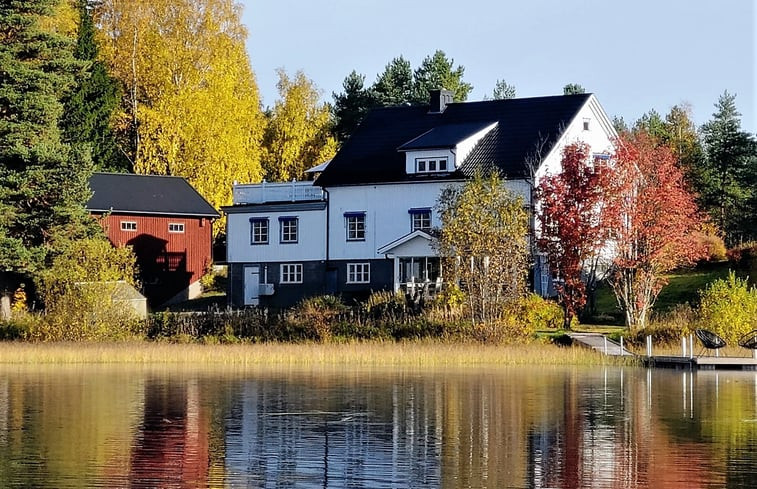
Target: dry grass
[(416, 353)]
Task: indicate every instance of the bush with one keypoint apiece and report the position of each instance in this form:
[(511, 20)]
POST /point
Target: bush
[(728, 307), (540, 313), (318, 315), (712, 243), (81, 292), (384, 305)]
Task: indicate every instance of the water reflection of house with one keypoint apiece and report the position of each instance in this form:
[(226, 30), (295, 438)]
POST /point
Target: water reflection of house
[(172, 445), (276, 439), (168, 224)]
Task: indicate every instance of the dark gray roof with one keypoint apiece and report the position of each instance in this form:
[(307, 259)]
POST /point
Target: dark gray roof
[(446, 136), (371, 155), (146, 194)]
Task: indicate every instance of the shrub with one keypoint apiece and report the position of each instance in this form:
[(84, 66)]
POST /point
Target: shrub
[(728, 307), (540, 313), (712, 243), (384, 305), (81, 292), (743, 256), (318, 315)]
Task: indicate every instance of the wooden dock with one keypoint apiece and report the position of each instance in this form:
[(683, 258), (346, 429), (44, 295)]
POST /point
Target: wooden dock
[(701, 363), (602, 344)]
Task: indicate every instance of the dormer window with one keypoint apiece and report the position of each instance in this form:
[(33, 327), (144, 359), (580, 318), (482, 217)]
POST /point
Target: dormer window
[(431, 165)]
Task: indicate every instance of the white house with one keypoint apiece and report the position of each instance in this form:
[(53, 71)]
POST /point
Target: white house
[(364, 224)]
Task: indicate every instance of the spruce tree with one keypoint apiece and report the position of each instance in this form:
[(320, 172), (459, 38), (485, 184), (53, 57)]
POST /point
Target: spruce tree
[(43, 181), (89, 108), (727, 172)]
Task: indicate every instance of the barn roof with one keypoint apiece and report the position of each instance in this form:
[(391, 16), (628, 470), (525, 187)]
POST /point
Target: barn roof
[(146, 194)]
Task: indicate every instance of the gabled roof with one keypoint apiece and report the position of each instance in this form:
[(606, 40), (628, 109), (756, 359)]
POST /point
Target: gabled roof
[(389, 247), (371, 155), (446, 136), (146, 194)]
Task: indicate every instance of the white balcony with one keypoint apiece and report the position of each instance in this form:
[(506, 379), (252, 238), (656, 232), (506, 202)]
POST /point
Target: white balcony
[(261, 193)]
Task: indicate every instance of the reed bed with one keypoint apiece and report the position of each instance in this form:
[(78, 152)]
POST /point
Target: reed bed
[(373, 353)]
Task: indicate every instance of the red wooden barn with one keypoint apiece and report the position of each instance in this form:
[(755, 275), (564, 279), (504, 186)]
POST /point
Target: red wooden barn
[(168, 224)]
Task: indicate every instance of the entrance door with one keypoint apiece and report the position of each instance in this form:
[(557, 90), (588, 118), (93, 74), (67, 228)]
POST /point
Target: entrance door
[(251, 285)]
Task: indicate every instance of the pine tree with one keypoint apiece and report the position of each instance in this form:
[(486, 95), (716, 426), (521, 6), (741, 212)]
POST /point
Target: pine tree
[(43, 181), (395, 85), (503, 90), (351, 106), (727, 172), (88, 115), (573, 89), (436, 71)]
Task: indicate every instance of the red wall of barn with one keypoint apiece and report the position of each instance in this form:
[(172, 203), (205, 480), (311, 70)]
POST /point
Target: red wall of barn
[(195, 241)]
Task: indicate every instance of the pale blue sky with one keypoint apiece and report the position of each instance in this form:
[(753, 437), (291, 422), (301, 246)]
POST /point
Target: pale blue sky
[(634, 55)]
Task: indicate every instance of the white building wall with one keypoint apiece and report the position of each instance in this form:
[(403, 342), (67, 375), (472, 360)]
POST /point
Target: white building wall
[(599, 137), (386, 214), (311, 243)]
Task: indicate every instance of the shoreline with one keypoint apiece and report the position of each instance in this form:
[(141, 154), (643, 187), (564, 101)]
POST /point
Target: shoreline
[(419, 353)]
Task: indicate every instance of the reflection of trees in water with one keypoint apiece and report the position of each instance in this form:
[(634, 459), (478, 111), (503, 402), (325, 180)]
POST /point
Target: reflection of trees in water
[(505, 428)]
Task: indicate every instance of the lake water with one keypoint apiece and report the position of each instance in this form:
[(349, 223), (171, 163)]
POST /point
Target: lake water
[(529, 427)]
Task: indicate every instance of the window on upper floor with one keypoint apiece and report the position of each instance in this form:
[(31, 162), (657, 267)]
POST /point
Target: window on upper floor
[(259, 230), (431, 165), (355, 225), (128, 226), (358, 273), (291, 273), (288, 229), (586, 123), (420, 219), (175, 227)]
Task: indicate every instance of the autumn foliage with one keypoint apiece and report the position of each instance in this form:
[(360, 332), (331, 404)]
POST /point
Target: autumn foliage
[(573, 232), (631, 213), (655, 220)]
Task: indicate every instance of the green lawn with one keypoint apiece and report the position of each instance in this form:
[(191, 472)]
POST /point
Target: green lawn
[(683, 286)]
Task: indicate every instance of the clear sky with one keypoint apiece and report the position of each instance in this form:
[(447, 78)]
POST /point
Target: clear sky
[(634, 55)]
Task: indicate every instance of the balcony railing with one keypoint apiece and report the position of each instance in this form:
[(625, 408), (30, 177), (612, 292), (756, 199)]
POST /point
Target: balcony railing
[(261, 193)]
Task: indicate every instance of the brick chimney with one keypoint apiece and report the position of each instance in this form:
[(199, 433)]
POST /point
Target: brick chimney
[(439, 101)]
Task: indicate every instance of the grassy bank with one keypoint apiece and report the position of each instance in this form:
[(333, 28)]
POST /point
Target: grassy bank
[(683, 287), (372, 353)]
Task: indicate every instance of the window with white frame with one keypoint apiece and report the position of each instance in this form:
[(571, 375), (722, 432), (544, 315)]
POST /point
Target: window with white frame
[(420, 219), (128, 226), (259, 230), (431, 165), (175, 227), (355, 224), (587, 121), (288, 229), (358, 273), (291, 273)]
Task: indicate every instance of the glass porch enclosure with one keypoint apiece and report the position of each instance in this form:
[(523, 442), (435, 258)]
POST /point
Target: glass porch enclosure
[(420, 275)]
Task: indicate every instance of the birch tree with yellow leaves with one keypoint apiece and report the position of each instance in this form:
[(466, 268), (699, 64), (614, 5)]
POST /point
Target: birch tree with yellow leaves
[(298, 135), (191, 104)]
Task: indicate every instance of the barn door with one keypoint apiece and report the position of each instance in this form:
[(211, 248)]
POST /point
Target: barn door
[(251, 285)]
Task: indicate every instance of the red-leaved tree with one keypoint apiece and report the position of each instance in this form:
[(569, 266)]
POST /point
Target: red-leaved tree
[(652, 222), (573, 233)]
